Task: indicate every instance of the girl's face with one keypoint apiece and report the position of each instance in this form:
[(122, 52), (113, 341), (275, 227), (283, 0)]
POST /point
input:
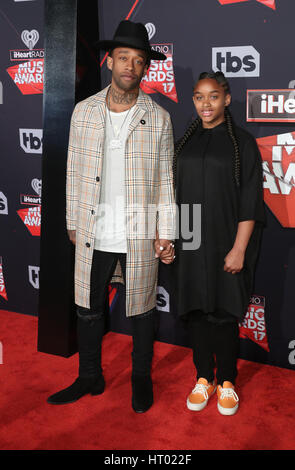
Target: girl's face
[(210, 100)]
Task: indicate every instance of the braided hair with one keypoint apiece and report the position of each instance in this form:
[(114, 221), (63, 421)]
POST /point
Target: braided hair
[(221, 80)]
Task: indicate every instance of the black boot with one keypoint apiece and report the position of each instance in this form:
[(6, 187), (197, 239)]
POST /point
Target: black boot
[(142, 393), (82, 386), (90, 332), (143, 338), (90, 329)]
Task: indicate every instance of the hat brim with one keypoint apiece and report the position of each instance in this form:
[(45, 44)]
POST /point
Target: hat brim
[(107, 45)]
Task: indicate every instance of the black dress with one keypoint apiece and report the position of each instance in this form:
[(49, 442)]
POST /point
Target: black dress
[(205, 176)]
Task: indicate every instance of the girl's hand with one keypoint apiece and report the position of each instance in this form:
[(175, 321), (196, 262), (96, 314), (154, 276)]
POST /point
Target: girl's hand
[(234, 261), (72, 236), (164, 250)]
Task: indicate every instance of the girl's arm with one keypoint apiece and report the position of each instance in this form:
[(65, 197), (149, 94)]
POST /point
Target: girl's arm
[(234, 260)]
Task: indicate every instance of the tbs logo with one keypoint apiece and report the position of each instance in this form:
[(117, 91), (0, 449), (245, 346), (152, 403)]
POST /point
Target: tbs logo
[(236, 61), (34, 276), (31, 140), (163, 303)]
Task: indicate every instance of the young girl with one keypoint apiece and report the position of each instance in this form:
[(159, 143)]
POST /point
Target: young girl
[(218, 166)]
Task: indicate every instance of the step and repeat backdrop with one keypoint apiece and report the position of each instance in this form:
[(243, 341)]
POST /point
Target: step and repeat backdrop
[(251, 42), (21, 94)]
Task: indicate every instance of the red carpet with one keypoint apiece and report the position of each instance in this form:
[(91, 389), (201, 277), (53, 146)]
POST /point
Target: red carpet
[(265, 419)]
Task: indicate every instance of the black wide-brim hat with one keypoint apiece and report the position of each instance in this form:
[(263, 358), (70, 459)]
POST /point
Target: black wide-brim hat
[(132, 35)]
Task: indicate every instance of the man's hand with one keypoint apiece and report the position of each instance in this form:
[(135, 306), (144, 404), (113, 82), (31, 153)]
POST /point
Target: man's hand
[(164, 250), (72, 236)]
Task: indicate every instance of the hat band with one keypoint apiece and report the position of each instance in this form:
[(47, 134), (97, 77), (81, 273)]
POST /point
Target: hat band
[(136, 43)]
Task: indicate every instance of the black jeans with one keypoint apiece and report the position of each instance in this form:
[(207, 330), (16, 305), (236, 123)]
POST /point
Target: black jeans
[(90, 322), (214, 337)]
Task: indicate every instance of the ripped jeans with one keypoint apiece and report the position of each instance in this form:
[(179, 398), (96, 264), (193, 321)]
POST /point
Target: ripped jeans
[(91, 322)]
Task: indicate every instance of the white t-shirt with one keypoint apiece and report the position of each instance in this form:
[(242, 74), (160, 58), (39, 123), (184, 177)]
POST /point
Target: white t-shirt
[(111, 217)]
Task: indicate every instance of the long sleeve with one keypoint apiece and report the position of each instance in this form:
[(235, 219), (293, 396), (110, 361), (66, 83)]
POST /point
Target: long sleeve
[(72, 179), (251, 190), (166, 203)]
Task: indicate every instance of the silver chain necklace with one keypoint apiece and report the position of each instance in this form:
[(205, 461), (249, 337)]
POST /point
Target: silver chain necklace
[(116, 142)]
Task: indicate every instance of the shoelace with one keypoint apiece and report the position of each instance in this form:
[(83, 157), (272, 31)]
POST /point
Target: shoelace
[(201, 388), (229, 393)]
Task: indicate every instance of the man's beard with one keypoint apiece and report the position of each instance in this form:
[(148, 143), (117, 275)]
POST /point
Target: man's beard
[(127, 87)]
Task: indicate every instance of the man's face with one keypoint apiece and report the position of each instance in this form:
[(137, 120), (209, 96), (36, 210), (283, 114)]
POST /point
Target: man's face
[(128, 66)]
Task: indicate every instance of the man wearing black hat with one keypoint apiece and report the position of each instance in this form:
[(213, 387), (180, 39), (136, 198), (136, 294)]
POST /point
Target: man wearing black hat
[(119, 165)]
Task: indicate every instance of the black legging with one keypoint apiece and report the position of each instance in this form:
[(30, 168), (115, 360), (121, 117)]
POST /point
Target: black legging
[(212, 336), (91, 322)]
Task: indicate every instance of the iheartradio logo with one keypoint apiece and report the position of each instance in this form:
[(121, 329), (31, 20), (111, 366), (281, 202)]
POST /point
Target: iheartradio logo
[(30, 200), (151, 30), (270, 105), (30, 38), (37, 185), (3, 204), (28, 75)]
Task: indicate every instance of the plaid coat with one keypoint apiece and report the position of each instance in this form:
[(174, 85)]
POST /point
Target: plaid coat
[(149, 193)]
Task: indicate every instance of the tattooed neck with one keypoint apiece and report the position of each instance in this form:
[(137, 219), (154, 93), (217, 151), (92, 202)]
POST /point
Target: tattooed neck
[(123, 98)]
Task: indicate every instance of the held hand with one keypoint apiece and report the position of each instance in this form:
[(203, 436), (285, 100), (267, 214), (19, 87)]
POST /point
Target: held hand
[(164, 250), (72, 236), (234, 261)]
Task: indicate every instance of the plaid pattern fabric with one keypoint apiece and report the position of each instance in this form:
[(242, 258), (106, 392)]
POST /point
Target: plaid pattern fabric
[(149, 194)]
